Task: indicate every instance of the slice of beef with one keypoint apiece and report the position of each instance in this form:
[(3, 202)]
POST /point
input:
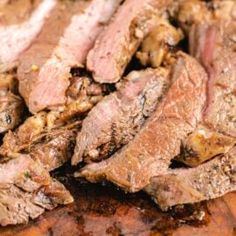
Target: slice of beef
[(44, 77), (210, 180), (119, 41), (26, 190), (120, 115), (15, 39), (11, 105), (150, 152), (211, 43)]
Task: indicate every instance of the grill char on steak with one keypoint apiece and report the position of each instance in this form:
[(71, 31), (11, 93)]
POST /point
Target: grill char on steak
[(150, 152), (26, 190), (16, 38), (44, 69), (121, 38), (119, 116)]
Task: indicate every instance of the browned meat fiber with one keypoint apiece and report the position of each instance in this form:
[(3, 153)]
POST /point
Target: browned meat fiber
[(119, 116), (159, 139)]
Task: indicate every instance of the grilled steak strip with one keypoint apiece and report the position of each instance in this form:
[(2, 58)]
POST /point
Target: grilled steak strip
[(119, 116), (15, 39), (26, 190), (49, 87), (150, 152), (210, 180), (212, 44), (119, 41)]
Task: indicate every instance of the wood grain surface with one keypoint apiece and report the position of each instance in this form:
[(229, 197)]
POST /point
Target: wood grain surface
[(105, 210)]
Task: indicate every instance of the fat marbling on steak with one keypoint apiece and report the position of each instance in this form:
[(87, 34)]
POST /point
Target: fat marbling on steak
[(15, 39), (44, 69), (150, 152), (114, 121), (116, 45)]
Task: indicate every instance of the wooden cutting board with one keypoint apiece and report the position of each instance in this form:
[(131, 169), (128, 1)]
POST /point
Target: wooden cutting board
[(105, 210)]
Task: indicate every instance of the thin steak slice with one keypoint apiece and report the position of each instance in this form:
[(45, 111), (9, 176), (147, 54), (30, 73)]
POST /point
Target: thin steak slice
[(119, 116), (44, 85), (210, 180), (15, 39), (27, 190), (150, 152), (119, 41)]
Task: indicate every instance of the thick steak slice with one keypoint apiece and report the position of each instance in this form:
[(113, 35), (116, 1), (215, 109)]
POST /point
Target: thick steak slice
[(150, 152), (119, 41), (44, 85), (212, 46), (26, 190), (15, 39), (210, 180), (119, 116)]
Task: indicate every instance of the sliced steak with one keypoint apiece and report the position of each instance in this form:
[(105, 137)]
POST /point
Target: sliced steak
[(26, 190), (213, 45), (119, 116), (15, 39), (44, 77), (210, 180), (11, 104), (119, 41), (150, 152)]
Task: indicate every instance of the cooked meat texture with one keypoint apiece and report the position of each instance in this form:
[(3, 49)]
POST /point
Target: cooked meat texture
[(11, 105), (15, 39), (26, 190), (211, 43), (52, 147), (150, 152), (57, 150), (204, 144), (46, 84), (119, 41), (210, 180), (43, 127), (120, 115), (157, 46)]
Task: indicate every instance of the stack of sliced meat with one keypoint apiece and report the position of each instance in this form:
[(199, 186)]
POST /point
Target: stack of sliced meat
[(70, 62)]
